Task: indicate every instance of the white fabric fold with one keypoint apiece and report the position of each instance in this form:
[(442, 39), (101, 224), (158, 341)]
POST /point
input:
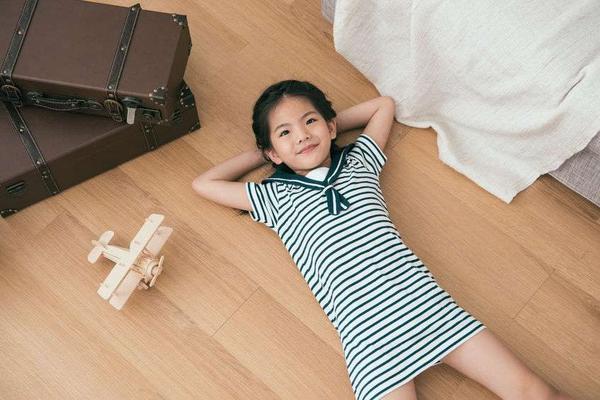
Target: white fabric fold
[(512, 88)]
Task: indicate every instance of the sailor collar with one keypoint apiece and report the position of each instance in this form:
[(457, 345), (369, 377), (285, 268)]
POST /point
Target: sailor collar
[(335, 201)]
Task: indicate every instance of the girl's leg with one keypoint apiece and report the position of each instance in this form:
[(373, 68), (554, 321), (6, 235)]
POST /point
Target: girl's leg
[(485, 359), (404, 392)]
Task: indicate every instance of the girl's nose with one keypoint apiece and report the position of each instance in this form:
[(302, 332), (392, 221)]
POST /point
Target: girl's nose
[(303, 135)]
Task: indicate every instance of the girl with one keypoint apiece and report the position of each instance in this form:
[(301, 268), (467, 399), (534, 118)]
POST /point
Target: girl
[(326, 205)]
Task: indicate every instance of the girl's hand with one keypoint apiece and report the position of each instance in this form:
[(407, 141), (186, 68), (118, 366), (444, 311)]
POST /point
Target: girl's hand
[(377, 114)]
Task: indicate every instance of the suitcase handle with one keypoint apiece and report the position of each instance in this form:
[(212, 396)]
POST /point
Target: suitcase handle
[(111, 107), (16, 189), (55, 104)]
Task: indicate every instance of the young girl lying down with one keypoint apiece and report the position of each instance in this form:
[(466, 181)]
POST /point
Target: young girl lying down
[(326, 205)]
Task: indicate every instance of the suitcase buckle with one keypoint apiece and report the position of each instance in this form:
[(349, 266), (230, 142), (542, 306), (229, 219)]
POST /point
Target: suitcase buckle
[(13, 94), (115, 109)]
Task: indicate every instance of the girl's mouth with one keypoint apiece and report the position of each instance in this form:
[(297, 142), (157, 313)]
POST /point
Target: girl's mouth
[(308, 149)]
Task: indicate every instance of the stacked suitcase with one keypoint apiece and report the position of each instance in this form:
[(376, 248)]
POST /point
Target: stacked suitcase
[(85, 87)]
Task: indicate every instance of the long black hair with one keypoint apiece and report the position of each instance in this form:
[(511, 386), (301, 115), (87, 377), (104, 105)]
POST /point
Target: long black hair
[(273, 95)]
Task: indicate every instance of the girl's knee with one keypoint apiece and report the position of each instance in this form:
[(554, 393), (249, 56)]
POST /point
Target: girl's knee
[(532, 387)]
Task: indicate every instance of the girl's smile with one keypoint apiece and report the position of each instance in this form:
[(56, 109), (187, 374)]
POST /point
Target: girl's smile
[(301, 137), (308, 149)]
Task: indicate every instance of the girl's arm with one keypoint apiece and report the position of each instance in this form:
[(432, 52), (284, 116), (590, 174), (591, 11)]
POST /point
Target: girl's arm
[(218, 183), (377, 114)]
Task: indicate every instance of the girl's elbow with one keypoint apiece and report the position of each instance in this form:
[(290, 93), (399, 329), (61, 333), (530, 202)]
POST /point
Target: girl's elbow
[(389, 105), (198, 185), (389, 101)]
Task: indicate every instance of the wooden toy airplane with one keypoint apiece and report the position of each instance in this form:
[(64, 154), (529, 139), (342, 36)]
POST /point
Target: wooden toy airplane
[(138, 266)]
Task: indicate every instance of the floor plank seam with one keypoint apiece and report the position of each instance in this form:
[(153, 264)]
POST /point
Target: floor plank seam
[(514, 318), (234, 312)]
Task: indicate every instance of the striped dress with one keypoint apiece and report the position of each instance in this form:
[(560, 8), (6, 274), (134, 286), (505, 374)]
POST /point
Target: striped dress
[(393, 319)]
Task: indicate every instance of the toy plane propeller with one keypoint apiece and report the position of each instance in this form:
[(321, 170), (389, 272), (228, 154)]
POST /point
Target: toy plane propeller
[(138, 266)]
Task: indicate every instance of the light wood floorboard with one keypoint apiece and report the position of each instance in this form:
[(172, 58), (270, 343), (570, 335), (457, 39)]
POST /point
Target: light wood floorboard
[(231, 317)]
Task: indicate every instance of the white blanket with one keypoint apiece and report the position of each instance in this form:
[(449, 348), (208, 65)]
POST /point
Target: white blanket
[(511, 87)]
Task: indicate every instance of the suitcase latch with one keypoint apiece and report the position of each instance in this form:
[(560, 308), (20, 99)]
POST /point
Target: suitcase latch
[(135, 110), (131, 105)]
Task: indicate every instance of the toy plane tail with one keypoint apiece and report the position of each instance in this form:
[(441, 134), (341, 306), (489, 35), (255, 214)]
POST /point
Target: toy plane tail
[(99, 246)]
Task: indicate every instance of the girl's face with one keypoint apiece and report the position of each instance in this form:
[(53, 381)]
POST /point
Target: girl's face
[(300, 136)]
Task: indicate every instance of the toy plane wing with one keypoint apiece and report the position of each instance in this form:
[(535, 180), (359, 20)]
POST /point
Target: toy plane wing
[(127, 286), (158, 240), (145, 233), (115, 276)]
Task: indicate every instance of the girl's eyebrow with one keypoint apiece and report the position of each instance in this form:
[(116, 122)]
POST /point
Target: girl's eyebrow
[(301, 118)]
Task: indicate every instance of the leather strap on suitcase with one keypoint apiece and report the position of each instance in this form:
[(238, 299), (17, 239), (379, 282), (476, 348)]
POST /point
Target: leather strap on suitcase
[(8, 89), (32, 148), (112, 104)]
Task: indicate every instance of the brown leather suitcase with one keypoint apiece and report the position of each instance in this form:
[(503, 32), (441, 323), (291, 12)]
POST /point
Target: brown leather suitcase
[(43, 152), (75, 55)]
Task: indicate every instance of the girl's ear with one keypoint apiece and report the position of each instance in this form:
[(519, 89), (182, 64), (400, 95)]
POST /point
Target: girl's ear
[(273, 156), (332, 125)]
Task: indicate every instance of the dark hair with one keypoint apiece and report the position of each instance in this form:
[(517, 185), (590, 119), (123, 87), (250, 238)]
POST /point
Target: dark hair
[(269, 99)]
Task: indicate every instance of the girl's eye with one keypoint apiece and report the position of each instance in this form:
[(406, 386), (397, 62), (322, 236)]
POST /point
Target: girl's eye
[(310, 119), (283, 133)]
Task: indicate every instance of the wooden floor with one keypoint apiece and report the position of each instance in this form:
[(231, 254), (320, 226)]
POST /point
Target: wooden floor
[(231, 317)]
